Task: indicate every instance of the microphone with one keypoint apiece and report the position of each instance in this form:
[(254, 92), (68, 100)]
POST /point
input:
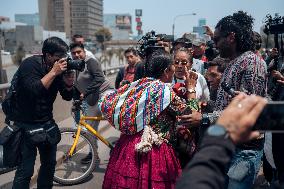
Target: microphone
[(227, 88)]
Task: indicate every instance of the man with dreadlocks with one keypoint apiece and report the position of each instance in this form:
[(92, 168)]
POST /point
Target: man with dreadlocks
[(245, 72)]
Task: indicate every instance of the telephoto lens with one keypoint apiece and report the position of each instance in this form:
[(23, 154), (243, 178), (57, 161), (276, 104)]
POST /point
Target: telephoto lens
[(75, 64)]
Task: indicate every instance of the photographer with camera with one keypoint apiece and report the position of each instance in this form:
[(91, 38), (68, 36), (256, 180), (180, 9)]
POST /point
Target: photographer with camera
[(275, 73), (182, 42), (90, 84), (274, 142), (148, 45), (210, 52), (40, 79)]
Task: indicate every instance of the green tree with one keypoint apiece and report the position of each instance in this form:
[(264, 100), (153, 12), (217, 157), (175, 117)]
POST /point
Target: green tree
[(102, 35)]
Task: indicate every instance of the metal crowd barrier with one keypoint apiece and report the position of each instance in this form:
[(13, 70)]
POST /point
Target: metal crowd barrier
[(5, 86)]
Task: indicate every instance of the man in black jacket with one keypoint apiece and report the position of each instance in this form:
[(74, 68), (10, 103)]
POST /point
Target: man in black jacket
[(208, 168), (40, 79)]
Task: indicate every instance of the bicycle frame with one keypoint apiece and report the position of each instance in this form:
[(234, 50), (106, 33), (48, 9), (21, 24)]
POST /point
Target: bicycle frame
[(83, 123)]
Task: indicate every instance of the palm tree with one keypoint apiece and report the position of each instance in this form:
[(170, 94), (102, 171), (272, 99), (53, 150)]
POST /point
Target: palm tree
[(110, 54), (120, 55), (103, 59), (102, 35)]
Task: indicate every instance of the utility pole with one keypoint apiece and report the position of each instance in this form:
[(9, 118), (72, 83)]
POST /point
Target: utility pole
[(174, 20), (1, 48), (2, 92)]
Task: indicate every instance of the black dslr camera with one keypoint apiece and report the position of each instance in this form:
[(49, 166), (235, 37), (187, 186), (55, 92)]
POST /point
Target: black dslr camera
[(150, 42), (75, 64), (274, 25), (211, 52)]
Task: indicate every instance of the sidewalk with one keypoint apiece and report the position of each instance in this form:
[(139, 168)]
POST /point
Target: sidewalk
[(104, 128)]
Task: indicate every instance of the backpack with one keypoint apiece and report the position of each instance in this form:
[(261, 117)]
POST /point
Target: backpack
[(10, 101), (10, 146)]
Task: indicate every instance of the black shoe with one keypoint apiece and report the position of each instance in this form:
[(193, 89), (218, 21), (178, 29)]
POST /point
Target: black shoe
[(87, 159)]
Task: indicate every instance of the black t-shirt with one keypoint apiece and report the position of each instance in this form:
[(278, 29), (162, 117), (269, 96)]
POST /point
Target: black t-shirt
[(34, 101)]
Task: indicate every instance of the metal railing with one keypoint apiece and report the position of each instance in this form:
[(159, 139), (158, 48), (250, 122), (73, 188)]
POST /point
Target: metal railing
[(5, 86)]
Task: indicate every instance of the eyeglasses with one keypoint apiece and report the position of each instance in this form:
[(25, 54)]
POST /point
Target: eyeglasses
[(182, 62)]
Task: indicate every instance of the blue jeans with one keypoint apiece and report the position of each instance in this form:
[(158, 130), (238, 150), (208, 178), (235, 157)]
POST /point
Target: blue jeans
[(244, 168)]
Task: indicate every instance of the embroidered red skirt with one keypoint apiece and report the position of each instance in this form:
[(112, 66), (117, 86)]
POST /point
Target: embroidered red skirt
[(158, 168)]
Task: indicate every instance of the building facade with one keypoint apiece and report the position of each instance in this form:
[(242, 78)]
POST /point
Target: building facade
[(29, 19), (200, 29), (83, 17), (120, 25), (30, 37), (4, 19)]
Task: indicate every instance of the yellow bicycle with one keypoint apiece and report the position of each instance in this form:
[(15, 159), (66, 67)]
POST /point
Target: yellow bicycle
[(75, 144)]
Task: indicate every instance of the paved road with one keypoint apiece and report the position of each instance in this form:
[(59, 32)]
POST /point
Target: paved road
[(62, 116), (95, 181)]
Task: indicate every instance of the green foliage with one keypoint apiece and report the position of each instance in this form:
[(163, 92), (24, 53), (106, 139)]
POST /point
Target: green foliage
[(102, 35)]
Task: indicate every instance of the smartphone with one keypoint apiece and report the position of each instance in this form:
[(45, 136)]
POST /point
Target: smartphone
[(271, 118)]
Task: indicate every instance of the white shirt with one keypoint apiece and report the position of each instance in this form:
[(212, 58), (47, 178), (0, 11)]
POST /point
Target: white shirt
[(198, 66), (201, 88), (89, 55)]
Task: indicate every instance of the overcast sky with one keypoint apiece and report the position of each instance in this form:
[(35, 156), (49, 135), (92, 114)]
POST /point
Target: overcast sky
[(159, 14)]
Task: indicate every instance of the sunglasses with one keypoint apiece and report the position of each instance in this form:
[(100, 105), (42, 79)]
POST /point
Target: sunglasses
[(182, 62)]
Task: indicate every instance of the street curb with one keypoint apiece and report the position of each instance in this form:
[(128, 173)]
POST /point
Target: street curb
[(104, 128)]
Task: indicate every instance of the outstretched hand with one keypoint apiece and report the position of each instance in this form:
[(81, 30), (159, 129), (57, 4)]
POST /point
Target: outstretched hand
[(240, 116)]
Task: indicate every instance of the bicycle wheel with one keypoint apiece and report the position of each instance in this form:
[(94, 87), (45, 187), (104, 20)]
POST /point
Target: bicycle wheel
[(69, 170)]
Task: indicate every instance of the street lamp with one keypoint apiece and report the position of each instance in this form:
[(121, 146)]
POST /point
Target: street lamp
[(180, 15)]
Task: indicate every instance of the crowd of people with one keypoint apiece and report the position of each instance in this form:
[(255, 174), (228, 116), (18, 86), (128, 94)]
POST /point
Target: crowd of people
[(179, 127), (237, 61)]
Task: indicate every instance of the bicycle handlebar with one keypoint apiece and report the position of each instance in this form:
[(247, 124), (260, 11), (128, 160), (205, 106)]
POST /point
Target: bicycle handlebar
[(76, 105)]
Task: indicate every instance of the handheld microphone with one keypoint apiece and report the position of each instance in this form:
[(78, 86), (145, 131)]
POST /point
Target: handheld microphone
[(227, 88)]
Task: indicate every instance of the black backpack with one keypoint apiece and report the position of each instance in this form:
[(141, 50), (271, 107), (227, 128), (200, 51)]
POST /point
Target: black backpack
[(10, 146), (9, 105)]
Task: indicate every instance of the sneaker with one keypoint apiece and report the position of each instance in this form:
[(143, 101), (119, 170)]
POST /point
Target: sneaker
[(87, 159)]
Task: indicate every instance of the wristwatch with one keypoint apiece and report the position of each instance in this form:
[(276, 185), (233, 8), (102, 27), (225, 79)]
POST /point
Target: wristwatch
[(205, 122), (191, 90), (218, 131)]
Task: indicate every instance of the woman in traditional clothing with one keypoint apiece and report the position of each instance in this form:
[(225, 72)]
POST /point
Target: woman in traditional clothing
[(145, 112), (187, 135)]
